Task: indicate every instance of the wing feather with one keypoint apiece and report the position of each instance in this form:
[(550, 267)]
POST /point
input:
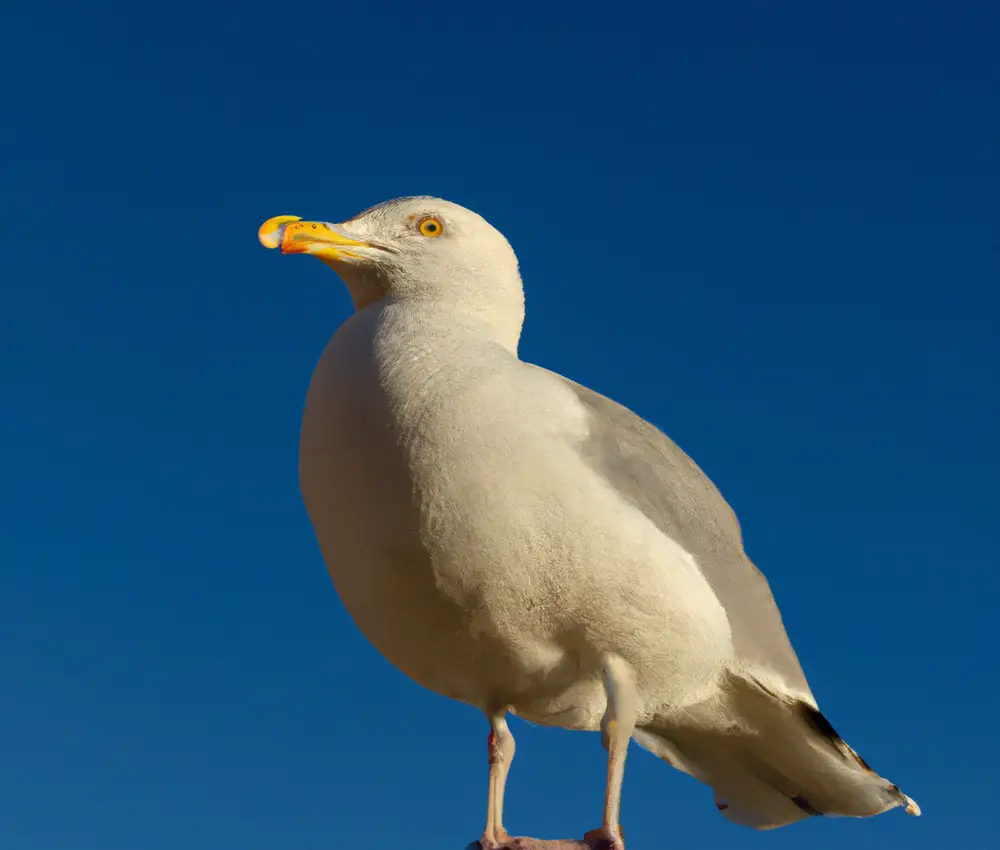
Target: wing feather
[(658, 478)]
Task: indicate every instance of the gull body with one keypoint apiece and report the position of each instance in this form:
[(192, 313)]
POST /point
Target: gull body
[(513, 540), (487, 585)]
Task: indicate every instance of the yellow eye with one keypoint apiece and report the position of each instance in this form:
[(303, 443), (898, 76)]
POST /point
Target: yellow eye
[(430, 226)]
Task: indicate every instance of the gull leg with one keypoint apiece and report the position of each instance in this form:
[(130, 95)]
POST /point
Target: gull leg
[(500, 746), (617, 727)]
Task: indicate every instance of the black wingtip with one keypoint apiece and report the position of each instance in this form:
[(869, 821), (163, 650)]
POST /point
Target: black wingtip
[(823, 727), (806, 806)]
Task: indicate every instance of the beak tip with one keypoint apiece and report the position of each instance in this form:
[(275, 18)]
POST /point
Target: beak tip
[(272, 231)]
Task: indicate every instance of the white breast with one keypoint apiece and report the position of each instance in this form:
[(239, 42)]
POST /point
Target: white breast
[(469, 541)]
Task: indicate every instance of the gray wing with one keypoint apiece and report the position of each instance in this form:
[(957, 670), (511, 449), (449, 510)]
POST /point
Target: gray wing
[(654, 475)]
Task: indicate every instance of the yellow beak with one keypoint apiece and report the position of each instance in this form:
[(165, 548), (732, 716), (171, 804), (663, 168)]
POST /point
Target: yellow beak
[(318, 238)]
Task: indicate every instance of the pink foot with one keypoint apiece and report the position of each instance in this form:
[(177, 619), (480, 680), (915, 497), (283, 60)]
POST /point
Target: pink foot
[(603, 839), (525, 843)]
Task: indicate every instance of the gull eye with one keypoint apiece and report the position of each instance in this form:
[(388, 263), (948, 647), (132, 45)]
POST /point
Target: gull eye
[(430, 226)]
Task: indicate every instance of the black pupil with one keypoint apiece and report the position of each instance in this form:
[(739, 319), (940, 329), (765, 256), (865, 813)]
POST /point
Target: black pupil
[(431, 226)]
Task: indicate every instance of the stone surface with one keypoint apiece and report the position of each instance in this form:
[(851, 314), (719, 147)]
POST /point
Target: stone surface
[(525, 843)]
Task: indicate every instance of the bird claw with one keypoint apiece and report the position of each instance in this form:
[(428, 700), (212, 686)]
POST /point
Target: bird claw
[(501, 842), (596, 839), (604, 839), (525, 843)]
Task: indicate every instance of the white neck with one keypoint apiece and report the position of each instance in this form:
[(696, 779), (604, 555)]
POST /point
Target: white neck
[(493, 304), (426, 327)]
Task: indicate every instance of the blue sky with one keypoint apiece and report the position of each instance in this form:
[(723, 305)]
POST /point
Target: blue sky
[(772, 232)]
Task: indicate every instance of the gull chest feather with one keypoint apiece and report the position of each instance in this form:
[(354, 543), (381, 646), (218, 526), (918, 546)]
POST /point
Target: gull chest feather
[(469, 540), (388, 465)]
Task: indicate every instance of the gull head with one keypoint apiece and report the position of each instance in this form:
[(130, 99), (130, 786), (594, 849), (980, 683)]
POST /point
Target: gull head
[(419, 250)]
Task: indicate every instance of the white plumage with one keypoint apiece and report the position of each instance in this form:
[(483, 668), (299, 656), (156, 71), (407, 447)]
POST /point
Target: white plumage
[(516, 541)]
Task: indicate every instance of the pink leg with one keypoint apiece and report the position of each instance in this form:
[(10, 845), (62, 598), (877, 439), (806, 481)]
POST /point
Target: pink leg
[(500, 747), (617, 727)]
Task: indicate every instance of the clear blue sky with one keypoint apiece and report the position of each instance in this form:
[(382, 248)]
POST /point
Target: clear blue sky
[(806, 201)]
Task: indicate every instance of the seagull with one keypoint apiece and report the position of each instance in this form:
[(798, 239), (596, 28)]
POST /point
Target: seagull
[(513, 540)]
